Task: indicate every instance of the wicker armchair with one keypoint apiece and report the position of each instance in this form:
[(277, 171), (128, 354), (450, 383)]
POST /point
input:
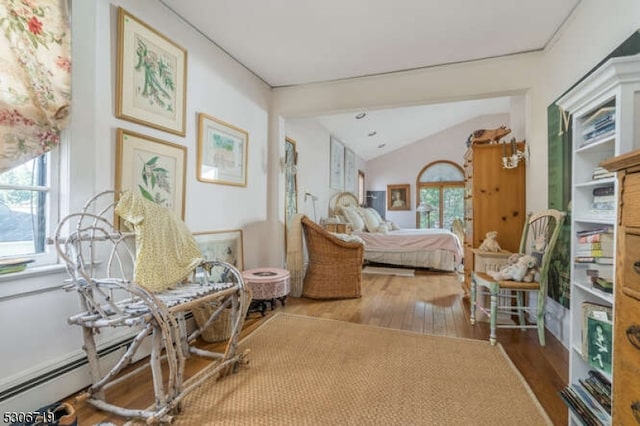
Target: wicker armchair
[(335, 266)]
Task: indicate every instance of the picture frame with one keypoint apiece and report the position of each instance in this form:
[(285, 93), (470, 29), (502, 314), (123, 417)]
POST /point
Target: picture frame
[(224, 245), (151, 78), (153, 167), (291, 184), (222, 152), (349, 170), (336, 164), (399, 197)]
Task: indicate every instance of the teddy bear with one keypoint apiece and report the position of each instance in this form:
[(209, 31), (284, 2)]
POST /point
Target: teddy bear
[(519, 267), (490, 242)]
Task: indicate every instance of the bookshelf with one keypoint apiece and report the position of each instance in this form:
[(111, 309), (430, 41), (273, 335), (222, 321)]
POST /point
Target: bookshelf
[(604, 107)]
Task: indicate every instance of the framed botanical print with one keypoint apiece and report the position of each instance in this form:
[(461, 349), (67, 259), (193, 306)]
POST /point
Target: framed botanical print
[(222, 152), (336, 165), (153, 167), (151, 77), (225, 246), (350, 172), (291, 186)]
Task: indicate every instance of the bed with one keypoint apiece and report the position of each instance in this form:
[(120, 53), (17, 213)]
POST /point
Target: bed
[(437, 249)]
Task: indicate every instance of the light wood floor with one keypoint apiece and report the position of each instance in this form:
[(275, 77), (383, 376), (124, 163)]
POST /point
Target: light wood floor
[(427, 303)]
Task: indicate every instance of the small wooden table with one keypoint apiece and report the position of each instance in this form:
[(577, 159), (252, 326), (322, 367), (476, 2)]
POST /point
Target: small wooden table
[(267, 285)]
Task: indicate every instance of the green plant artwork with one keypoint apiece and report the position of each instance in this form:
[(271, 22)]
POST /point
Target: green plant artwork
[(156, 186), (158, 85)]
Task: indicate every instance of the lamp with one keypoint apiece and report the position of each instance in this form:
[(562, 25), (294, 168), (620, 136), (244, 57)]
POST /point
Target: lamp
[(424, 208), (307, 194), (511, 161)]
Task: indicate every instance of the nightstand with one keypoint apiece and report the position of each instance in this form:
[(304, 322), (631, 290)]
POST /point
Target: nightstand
[(339, 228)]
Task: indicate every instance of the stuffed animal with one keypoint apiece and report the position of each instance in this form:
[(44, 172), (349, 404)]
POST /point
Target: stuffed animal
[(519, 267), (490, 242)]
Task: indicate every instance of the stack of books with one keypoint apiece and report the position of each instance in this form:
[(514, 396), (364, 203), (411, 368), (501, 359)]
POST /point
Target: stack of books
[(595, 247), (600, 172), (590, 399), (600, 124), (604, 200)]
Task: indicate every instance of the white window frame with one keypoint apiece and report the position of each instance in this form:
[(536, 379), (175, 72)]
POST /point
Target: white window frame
[(51, 210)]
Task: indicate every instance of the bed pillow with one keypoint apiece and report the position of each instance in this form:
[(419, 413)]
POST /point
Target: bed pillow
[(353, 218), (392, 226), (370, 220), (376, 214)]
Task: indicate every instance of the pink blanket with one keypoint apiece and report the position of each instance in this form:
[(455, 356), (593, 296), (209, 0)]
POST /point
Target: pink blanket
[(412, 240)]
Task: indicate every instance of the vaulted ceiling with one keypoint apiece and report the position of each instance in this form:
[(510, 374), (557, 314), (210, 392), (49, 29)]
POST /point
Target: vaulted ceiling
[(293, 42)]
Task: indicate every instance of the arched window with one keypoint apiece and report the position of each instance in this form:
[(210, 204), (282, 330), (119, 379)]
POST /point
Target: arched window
[(440, 185)]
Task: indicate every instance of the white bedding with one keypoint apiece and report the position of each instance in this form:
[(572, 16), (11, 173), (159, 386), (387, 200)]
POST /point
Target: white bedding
[(424, 248)]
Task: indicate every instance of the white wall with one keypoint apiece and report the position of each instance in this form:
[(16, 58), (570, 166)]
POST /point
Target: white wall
[(593, 31), (33, 310), (403, 165), (312, 142)]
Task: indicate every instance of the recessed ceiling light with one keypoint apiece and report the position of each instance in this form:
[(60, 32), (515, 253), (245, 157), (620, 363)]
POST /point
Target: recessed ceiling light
[(361, 115), (382, 145), (373, 133)]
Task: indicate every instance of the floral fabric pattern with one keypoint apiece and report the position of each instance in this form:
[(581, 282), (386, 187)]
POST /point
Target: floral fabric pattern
[(35, 78)]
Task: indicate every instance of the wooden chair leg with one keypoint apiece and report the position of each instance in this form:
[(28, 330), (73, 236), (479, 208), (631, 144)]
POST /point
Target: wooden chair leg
[(472, 315), (494, 314), (520, 301), (541, 322)]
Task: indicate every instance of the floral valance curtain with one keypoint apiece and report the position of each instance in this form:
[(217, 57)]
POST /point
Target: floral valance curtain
[(35, 78)]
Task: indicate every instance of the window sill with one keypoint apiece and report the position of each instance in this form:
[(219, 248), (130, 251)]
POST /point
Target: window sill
[(26, 282)]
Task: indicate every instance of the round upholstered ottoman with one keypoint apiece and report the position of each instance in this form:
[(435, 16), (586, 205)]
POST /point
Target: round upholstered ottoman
[(267, 285)]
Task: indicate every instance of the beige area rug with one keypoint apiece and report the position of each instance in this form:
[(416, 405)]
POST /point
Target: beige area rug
[(400, 272), (313, 371)]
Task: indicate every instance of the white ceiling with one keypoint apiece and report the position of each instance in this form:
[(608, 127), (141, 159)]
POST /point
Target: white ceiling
[(292, 42)]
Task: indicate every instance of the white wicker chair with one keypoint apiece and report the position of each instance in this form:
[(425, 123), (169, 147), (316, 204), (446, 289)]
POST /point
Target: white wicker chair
[(100, 261)]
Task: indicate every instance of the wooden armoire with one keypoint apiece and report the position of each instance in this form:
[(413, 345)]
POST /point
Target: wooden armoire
[(494, 200)]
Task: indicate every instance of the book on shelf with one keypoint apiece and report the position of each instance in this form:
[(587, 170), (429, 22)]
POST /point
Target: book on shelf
[(607, 229), (579, 408), (588, 252), (603, 208), (601, 277), (605, 130), (599, 312), (604, 199), (601, 173), (599, 388), (604, 190), (600, 114), (602, 260), (599, 334), (604, 245), (595, 238), (592, 404)]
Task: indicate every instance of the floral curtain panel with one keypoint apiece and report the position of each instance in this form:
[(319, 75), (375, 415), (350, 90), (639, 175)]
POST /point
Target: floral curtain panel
[(35, 78)]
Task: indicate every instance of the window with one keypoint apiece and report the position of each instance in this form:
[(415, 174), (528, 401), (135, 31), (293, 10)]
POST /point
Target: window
[(440, 185), (361, 199), (28, 209)]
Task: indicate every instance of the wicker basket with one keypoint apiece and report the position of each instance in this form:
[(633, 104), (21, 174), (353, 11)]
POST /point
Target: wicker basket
[(220, 329)]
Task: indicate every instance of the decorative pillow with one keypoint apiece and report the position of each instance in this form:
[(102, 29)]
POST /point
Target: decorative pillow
[(392, 226), (349, 238), (375, 213), (383, 228), (370, 221), (354, 218)]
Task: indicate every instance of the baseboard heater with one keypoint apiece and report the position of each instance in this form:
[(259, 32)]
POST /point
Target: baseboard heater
[(66, 368)]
